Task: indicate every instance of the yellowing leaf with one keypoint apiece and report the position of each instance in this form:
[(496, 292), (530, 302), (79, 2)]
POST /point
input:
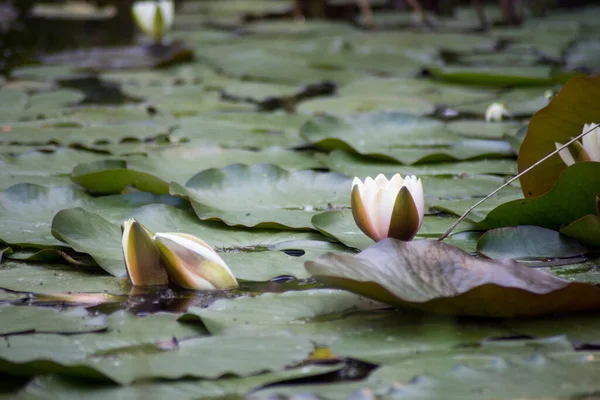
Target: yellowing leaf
[(436, 277), (575, 105)]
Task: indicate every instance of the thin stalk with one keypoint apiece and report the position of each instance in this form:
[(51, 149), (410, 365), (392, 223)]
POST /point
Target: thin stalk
[(564, 146)]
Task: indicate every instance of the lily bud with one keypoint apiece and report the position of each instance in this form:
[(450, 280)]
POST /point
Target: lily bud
[(142, 258), (496, 111), (588, 151), (192, 264), (393, 208), (154, 18)]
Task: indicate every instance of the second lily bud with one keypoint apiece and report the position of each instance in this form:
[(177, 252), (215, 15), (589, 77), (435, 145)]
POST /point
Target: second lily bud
[(388, 208), (182, 259), (587, 150)]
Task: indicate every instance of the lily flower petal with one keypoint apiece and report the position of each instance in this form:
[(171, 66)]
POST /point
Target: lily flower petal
[(154, 18), (496, 111), (142, 258), (591, 142), (192, 263)]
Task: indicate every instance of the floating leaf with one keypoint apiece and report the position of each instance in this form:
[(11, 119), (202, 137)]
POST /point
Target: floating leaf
[(586, 229), (152, 173), (92, 234), (498, 76), (560, 121), (356, 165), (273, 197), (28, 319), (573, 197), (29, 209), (341, 226), (436, 277), (527, 243)]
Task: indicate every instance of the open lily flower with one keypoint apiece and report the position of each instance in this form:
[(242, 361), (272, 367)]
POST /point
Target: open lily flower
[(142, 258), (154, 18), (496, 111), (393, 208), (588, 151), (193, 264)]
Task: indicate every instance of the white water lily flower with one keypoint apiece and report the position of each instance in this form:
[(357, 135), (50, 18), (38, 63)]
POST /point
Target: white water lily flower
[(192, 264), (496, 111), (142, 258), (154, 18), (588, 151), (393, 208)]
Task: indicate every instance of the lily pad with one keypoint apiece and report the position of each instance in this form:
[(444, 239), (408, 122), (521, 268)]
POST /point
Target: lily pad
[(273, 197), (52, 386), (521, 102), (527, 243), (48, 278), (29, 209), (497, 76), (436, 277), (152, 173), (560, 121), (184, 100), (431, 91), (586, 229), (241, 316), (123, 57), (340, 225), (242, 130), (482, 129), (579, 183), (353, 104), (19, 320), (356, 165), (92, 234), (17, 106), (373, 133)]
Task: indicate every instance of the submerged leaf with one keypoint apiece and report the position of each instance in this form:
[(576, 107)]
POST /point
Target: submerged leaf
[(437, 277)]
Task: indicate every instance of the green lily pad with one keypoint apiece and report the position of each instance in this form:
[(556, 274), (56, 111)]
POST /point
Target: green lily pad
[(436, 277), (521, 102), (152, 173), (353, 104), (241, 316), (46, 278), (242, 130), (497, 76), (20, 106), (586, 229), (356, 165), (29, 133), (431, 91), (29, 209), (53, 386), (184, 100), (482, 129), (77, 354), (374, 133), (273, 197), (459, 206), (262, 64), (340, 225), (101, 238), (19, 319), (527, 243), (579, 183)]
